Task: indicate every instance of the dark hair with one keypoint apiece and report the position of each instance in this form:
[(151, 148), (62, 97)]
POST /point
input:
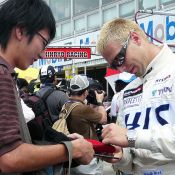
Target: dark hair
[(119, 85), (31, 86), (46, 79), (21, 82), (64, 85), (32, 15)]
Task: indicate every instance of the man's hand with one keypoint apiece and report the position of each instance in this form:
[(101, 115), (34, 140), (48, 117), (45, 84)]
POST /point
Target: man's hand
[(99, 96), (82, 151), (114, 134)]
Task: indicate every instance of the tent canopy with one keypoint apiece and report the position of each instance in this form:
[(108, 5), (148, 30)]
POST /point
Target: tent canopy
[(28, 74)]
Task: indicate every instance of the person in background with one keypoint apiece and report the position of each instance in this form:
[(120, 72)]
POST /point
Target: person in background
[(23, 89), (119, 85), (34, 85), (57, 98), (124, 79), (28, 112), (83, 118), (63, 85), (26, 27), (146, 106), (22, 85)]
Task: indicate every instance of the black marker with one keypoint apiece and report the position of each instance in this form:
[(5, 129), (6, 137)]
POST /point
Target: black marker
[(105, 156)]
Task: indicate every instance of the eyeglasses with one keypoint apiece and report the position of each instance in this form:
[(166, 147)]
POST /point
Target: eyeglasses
[(45, 41), (119, 59)]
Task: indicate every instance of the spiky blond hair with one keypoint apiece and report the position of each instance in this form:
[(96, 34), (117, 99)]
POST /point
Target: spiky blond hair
[(117, 30)]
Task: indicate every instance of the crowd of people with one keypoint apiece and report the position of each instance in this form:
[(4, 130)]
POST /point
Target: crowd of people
[(141, 126)]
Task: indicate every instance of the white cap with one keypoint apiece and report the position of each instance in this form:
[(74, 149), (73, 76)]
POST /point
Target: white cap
[(79, 82)]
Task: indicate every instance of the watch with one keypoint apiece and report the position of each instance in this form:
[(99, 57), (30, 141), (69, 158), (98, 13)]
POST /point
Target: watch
[(131, 137)]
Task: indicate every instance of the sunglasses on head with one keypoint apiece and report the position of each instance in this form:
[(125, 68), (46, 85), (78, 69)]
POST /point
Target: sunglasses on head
[(119, 59)]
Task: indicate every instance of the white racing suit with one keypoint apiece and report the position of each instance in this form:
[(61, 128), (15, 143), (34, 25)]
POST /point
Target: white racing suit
[(148, 105)]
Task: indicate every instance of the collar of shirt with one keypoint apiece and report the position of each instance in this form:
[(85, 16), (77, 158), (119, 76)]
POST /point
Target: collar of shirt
[(9, 67), (71, 100)]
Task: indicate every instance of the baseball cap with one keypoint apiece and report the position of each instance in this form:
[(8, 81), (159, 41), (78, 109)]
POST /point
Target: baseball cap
[(78, 83), (46, 72)]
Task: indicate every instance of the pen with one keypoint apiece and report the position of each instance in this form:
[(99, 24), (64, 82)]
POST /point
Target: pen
[(105, 156)]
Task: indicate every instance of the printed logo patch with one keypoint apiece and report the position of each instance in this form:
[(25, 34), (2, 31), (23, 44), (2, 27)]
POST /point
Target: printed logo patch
[(153, 172), (162, 91), (132, 101), (133, 92), (161, 80)]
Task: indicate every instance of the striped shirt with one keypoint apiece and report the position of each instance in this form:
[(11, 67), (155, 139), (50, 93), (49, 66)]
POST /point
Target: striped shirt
[(9, 117)]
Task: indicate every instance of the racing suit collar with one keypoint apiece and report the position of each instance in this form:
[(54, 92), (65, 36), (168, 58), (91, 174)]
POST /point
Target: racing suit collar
[(158, 62)]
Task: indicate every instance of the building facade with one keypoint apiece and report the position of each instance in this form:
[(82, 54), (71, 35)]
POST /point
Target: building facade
[(79, 22)]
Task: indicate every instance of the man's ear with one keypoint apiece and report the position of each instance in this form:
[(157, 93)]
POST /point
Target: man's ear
[(86, 93), (135, 37), (19, 32)]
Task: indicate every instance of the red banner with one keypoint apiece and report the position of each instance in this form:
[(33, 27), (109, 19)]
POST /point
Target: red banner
[(68, 53)]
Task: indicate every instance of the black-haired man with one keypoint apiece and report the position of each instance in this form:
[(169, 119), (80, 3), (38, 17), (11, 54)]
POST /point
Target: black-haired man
[(57, 98), (26, 27)]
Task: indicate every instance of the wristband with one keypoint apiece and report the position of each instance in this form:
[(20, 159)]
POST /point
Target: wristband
[(100, 103)]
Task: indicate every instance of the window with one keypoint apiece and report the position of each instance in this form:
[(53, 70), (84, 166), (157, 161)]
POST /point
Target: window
[(109, 14), (166, 2), (79, 24), (104, 2), (93, 20), (66, 29), (61, 9), (127, 9), (80, 6), (58, 32), (145, 4)]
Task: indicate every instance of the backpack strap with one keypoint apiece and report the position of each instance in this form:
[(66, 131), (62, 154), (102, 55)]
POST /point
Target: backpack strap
[(44, 98), (24, 132), (46, 94), (68, 145), (72, 106)]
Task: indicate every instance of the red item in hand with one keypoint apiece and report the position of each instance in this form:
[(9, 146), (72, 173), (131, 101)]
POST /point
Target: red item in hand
[(100, 147)]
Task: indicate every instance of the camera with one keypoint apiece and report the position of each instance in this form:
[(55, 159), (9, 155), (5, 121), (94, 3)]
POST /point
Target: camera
[(94, 85), (98, 130)]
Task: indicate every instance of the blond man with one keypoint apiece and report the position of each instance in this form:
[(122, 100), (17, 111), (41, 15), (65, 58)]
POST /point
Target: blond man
[(146, 105)]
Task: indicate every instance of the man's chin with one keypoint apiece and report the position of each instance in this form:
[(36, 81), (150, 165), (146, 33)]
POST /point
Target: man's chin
[(23, 67)]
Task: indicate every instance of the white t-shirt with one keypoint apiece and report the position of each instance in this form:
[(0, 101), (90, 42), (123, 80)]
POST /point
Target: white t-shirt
[(114, 106), (28, 113)]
